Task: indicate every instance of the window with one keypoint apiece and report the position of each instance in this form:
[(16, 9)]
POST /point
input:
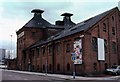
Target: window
[(38, 67), (114, 47), (68, 67), (37, 50), (50, 67), (33, 53), (95, 66), (67, 47), (113, 30), (104, 27), (58, 67), (58, 48), (43, 67), (24, 56), (94, 43), (112, 18), (50, 49), (33, 67), (105, 45), (43, 50)]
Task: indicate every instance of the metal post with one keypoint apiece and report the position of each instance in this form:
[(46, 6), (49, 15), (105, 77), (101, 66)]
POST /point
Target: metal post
[(73, 70), (46, 67)]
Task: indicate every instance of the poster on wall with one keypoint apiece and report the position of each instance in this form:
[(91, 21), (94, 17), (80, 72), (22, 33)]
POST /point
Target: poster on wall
[(101, 49), (78, 51)]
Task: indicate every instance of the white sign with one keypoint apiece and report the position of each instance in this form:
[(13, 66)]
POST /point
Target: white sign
[(101, 49), (20, 35), (119, 5)]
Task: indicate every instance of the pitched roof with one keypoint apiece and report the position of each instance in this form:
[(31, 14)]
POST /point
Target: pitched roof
[(37, 22), (82, 26)]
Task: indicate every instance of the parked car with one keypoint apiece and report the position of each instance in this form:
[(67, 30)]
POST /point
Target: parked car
[(114, 70)]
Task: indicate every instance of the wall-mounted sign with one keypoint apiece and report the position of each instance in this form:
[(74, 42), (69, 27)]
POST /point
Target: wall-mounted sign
[(20, 35), (78, 51), (101, 49)]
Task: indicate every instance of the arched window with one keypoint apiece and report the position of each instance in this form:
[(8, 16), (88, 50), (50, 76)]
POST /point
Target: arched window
[(38, 67), (50, 67), (95, 66), (58, 67), (112, 18), (43, 67), (68, 67), (33, 67)]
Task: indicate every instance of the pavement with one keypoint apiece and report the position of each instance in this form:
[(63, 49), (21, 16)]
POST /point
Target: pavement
[(67, 77)]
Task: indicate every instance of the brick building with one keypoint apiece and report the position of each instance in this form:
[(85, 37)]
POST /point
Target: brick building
[(11, 64), (42, 46)]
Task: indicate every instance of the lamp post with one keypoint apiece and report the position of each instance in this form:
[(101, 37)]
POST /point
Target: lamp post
[(73, 58), (11, 47)]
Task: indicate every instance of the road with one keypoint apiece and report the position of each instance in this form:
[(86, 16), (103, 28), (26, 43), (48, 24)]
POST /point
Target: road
[(8, 76)]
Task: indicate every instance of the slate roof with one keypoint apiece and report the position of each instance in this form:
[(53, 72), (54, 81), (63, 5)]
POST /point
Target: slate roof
[(82, 26), (38, 22)]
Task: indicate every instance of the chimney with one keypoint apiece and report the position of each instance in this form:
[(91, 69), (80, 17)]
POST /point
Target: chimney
[(67, 18), (37, 12)]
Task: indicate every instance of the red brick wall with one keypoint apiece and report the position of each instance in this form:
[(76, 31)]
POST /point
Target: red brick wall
[(89, 56), (30, 36)]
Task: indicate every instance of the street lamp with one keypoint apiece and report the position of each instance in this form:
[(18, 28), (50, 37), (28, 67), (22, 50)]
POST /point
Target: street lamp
[(11, 47)]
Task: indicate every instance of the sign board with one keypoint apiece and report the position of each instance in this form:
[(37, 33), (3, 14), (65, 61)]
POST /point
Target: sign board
[(73, 58), (101, 49), (20, 35), (78, 51)]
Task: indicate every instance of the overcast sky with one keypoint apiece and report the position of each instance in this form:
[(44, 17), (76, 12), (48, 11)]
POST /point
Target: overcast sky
[(15, 13)]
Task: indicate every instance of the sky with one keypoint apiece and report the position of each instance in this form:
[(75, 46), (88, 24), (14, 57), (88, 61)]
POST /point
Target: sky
[(14, 14)]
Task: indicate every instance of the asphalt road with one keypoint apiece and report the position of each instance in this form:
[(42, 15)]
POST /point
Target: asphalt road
[(8, 76)]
